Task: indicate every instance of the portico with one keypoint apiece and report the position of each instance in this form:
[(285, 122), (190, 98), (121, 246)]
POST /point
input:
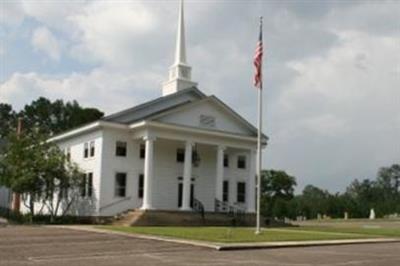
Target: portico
[(186, 165)]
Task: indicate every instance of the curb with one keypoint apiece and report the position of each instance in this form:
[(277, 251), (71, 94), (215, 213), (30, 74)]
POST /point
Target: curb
[(237, 246), (140, 236), (293, 244)]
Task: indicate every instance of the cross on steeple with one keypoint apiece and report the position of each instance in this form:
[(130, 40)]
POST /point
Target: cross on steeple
[(180, 71)]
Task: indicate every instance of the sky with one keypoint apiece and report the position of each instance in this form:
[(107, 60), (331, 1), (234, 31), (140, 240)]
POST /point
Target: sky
[(331, 69)]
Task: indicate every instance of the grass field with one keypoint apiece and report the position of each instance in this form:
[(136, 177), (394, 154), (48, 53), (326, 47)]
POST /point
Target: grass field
[(236, 235), (378, 227), (308, 231), (369, 231)]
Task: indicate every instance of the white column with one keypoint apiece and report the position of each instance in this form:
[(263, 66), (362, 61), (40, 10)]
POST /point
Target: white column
[(187, 175), (148, 174), (219, 179), (251, 187)]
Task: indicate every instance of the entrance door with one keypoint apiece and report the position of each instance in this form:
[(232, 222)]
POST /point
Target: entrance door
[(180, 194)]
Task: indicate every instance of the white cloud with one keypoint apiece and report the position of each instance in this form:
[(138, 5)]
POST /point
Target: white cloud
[(340, 111), (107, 90), (375, 17), (325, 125), (43, 40), (11, 13), (356, 74), (108, 32), (53, 14)]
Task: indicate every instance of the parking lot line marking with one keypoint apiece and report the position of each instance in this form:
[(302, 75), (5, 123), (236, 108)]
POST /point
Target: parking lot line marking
[(105, 254)]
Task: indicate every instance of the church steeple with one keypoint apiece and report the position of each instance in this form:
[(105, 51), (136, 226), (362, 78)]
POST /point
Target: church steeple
[(180, 71), (180, 52)]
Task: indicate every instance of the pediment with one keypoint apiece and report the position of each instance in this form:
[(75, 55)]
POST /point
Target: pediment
[(208, 114)]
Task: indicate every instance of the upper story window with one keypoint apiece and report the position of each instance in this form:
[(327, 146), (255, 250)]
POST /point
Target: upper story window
[(120, 185), (180, 155), (142, 151), (207, 121), (86, 150), (121, 148), (87, 185), (226, 160), (241, 162), (92, 148)]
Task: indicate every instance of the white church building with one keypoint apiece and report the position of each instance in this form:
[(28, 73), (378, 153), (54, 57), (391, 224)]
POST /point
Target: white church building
[(181, 149)]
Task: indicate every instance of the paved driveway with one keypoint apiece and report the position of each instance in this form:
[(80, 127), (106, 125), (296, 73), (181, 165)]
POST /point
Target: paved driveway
[(54, 246)]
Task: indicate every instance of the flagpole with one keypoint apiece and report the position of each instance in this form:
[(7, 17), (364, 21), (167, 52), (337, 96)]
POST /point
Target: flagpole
[(259, 161)]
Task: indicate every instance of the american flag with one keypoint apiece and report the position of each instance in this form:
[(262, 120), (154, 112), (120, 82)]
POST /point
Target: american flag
[(258, 60)]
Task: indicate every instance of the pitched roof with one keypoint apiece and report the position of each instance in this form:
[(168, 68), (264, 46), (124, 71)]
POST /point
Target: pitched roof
[(155, 106)]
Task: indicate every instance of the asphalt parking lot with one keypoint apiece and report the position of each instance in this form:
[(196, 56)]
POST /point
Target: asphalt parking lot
[(23, 245)]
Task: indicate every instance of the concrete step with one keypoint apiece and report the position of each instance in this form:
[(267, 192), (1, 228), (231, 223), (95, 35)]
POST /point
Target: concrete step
[(128, 218), (178, 218)]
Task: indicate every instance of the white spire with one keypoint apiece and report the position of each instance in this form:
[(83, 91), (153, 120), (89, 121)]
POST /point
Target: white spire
[(180, 71), (180, 52)]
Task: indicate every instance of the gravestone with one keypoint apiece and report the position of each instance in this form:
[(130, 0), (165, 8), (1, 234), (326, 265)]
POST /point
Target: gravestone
[(3, 222), (372, 214)]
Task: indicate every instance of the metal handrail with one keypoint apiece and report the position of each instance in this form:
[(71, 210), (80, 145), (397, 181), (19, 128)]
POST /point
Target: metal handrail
[(233, 211), (198, 207), (221, 206), (114, 203)]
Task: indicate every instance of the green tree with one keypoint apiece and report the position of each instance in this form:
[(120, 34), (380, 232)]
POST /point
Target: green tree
[(277, 191), (62, 183), (388, 181), (19, 168), (314, 201), (388, 178), (52, 118), (40, 172), (7, 122), (366, 195), (382, 194)]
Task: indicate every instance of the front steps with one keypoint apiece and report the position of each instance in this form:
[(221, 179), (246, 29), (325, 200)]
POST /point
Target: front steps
[(180, 218), (128, 218)]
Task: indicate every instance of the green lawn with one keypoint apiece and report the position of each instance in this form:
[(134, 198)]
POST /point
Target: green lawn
[(238, 235), (368, 230)]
